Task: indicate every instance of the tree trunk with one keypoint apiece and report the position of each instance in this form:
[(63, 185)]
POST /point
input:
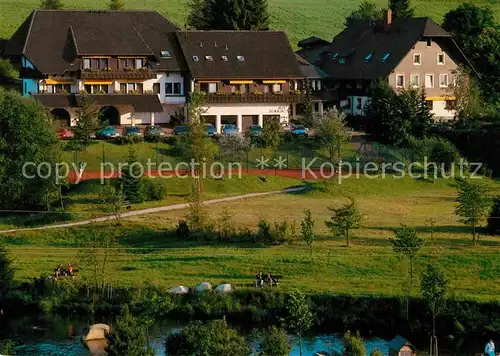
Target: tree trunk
[(474, 234), (300, 343), (347, 236)]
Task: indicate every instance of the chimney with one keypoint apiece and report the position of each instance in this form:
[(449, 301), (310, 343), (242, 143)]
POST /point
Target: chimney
[(388, 17)]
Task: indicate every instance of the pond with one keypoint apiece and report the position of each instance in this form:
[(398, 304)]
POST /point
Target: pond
[(55, 335)]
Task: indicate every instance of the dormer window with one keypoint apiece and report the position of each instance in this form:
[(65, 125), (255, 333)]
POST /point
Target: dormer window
[(209, 58), (195, 58), (335, 55), (386, 57), (224, 58), (369, 57), (165, 54), (240, 58), (342, 61)]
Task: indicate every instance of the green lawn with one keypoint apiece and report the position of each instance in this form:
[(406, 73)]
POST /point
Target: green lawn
[(149, 254), (299, 18)]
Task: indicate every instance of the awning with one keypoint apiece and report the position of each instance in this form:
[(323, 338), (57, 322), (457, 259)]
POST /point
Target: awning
[(98, 82), (51, 81), (241, 82), (441, 98), (274, 81)]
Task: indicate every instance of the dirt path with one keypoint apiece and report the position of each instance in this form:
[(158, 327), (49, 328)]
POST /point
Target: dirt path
[(156, 210)]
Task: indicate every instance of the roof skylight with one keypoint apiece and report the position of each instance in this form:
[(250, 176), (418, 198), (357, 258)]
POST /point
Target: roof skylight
[(195, 58), (165, 54), (341, 60), (369, 57), (386, 57), (209, 58), (224, 58), (240, 58)]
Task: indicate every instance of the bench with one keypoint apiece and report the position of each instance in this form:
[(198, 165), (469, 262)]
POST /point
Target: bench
[(127, 205)]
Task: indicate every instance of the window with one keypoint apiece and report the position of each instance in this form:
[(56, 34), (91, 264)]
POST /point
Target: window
[(139, 63), (165, 54), (276, 87), (443, 80), (266, 88), (130, 63), (103, 63), (386, 57), (212, 87), (240, 58), (233, 88), (132, 88), (451, 105), (400, 80), (122, 63), (156, 88), (359, 105), (209, 58), (224, 58), (86, 63), (335, 55), (368, 57), (96, 89), (417, 59), (359, 86), (429, 42), (415, 80), (172, 88), (440, 59), (342, 61), (348, 86), (123, 88), (430, 104), (195, 58), (429, 80)]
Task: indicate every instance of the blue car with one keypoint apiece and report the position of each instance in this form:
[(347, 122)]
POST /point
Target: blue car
[(108, 132), (210, 130), (230, 129), (132, 131), (181, 130), (299, 131)]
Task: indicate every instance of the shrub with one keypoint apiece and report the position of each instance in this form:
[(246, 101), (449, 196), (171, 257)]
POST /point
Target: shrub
[(353, 345), (376, 352), (234, 147), (494, 218), (264, 231), (437, 150), (153, 189), (124, 140), (182, 230)]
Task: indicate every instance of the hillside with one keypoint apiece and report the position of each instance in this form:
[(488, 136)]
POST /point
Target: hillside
[(299, 18)]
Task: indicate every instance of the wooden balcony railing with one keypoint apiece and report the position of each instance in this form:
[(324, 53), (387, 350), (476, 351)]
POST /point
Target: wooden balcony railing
[(118, 74), (214, 98)]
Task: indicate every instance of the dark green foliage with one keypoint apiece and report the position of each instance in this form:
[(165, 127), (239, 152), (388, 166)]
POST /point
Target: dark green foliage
[(228, 14), (274, 343), (271, 133), (307, 228), (278, 233), (308, 117), (494, 218), (299, 316), (27, 136), (353, 345), (366, 11), (51, 4), (7, 71), (182, 230), (468, 20), (401, 8), (398, 118), (437, 150), (7, 347), (472, 204), (128, 337), (212, 338), (153, 189), (6, 272), (376, 352), (116, 5), (433, 287), (131, 178), (344, 219), (87, 120)]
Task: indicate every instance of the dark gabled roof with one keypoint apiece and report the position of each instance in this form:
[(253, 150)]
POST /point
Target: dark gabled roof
[(362, 37), (308, 70), (140, 103), (312, 41), (266, 54), (398, 342), (51, 39)]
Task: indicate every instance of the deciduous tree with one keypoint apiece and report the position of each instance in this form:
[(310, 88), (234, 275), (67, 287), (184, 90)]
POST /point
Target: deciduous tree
[(6, 272), (401, 8), (366, 10), (307, 228), (51, 4), (300, 317), (353, 345), (472, 204), (334, 133), (87, 120), (433, 287), (271, 133), (131, 177), (408, 244), (274, 343), (116, 5), (344, 219)]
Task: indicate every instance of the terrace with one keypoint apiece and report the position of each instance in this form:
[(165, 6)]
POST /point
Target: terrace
[(108, 73), (222, 98)]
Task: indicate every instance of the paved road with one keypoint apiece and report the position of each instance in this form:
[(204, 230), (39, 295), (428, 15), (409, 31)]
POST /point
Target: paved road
[(156, 210)]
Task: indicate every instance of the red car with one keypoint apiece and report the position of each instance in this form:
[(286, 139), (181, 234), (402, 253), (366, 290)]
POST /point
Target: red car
[(65, 134)]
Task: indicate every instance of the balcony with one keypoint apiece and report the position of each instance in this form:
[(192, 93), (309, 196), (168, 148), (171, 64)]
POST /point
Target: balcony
[(143, 73), (214, 98)]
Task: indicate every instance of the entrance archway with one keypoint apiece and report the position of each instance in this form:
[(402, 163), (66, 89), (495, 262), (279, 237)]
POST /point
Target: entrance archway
[(110, 115), (62, 119)]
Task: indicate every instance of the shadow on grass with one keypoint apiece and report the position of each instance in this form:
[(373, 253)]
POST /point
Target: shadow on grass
[(444, 229)]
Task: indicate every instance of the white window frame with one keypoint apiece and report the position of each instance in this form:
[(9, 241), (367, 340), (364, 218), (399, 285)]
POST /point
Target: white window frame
[(173, 93), (415, 56), (433, 80), (212, 88), (418, 80), (442, 75), (139, 63), (444, 59), (87, 60), (404, 80)]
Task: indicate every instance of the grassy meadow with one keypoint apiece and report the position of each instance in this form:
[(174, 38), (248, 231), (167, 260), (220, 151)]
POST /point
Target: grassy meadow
[(298, 18), (149, 253)]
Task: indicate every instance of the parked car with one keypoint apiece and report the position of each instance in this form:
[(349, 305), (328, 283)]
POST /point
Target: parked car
[(132, 131), (65, 134), (299, 131), (108, 132), (254, 131), (154, 132), (230, 129), (181, 130), (210, 130)]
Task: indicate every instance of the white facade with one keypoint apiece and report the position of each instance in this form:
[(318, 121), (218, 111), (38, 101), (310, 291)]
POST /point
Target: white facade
[(440, 112), (238, 110)]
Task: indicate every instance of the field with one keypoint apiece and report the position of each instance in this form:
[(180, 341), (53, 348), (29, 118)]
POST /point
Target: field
[(298, 18), (150, 254)]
